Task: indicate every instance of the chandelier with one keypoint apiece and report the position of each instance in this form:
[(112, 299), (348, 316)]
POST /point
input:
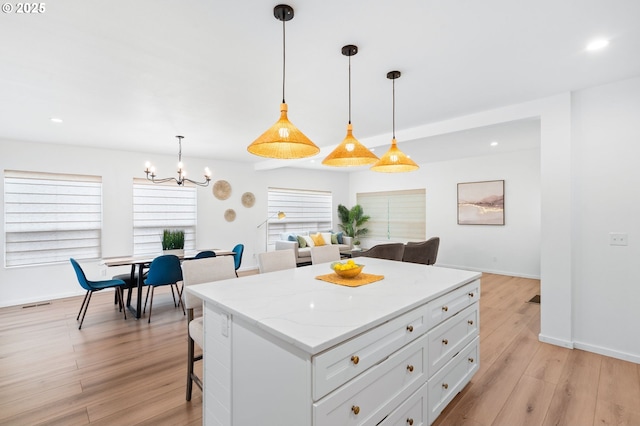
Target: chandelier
[(150, 171)]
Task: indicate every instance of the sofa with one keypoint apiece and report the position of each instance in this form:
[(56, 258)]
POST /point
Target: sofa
[(301, 243)]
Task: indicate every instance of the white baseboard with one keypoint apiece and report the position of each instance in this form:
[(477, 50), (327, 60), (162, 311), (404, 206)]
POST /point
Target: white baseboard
[(32, 300), (490, 271), (557, 342), (607, 352)]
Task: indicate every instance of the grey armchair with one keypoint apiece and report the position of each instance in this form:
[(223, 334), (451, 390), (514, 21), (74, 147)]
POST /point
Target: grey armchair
[(391, 251), (424, 252)]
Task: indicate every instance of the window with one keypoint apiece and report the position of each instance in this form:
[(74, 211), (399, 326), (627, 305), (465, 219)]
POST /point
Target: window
[(395, 215), (162, 206), (305, 211), (50, 217)]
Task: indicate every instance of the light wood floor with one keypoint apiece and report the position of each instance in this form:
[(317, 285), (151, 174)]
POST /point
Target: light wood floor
[(117, 372)]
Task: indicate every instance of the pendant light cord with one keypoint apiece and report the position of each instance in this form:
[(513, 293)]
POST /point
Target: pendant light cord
[(349, 89), (284, 55), (394, 108)]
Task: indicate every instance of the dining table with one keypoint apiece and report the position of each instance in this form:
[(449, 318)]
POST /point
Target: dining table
[(143, 261)]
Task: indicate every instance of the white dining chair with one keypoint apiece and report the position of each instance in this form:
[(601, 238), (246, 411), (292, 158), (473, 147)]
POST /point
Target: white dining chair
[(276, 260), (198, 271), (324, 254)]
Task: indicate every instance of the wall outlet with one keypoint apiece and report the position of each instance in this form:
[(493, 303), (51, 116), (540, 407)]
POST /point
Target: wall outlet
[(618, 239)]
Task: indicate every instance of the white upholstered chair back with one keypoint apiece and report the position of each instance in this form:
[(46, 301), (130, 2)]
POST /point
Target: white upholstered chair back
[(198, 271), (324, 254), (276, 260)]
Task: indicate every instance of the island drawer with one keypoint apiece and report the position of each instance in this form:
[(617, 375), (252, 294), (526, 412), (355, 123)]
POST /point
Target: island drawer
[(412, 412), (448, 338), (338, 365), (448, 305), (369, 398), (450, 380)]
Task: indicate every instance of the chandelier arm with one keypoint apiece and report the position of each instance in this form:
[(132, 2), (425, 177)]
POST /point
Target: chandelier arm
[(205, 183), (154, 180)]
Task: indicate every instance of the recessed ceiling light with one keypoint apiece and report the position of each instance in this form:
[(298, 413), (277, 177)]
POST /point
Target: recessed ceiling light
[(597, 44), (494, 143), (56, 120)]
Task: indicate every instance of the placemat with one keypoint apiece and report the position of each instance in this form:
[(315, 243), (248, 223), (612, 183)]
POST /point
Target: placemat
[(361, 279)]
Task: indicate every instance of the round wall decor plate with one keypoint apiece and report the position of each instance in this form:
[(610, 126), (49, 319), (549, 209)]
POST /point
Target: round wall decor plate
[(222, 190), (230, 215), (248, 199)]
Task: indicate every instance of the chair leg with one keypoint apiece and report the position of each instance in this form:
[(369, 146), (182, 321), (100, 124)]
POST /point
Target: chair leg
[(180, 302), (180, 293), (190, 351), (150, 304), (146, 299), (175, 305), (123, 308), (82, 306), (89, 293)]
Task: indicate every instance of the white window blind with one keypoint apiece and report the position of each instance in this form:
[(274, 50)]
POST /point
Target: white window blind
[(157, 207), (50, 217), (395, 215), (305, 211)]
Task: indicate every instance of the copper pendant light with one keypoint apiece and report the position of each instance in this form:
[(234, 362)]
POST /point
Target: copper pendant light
[(394, 160), (350, 152), (283, 140)]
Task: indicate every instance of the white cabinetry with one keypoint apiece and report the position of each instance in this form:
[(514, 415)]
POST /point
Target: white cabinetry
[(395, 354)]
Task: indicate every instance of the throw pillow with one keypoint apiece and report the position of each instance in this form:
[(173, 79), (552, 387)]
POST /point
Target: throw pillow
[(318, 240), (326, 236), (309, 241), (292, 237), (334, 239), (302, 243), (339, 235)]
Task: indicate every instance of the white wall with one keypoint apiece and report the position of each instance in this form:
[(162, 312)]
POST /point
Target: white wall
[(512, 249), (118, 168), (606, 289)]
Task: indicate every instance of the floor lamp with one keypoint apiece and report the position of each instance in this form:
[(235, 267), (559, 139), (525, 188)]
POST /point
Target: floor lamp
[(280, 215)]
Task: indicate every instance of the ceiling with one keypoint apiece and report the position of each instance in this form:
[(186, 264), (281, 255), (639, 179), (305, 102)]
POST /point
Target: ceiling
[(130, 75)]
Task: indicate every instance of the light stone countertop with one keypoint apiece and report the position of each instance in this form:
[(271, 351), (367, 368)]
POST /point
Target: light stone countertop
[(314, 315)]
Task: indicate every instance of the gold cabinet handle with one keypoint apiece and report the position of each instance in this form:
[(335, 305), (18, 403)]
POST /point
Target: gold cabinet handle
[(471, 294), (445, 386), (445, 342), (471, 360), (470, 322), (410, 421), (355, 409), (445, 308), (410, 328), (410, 368), (355, 359)]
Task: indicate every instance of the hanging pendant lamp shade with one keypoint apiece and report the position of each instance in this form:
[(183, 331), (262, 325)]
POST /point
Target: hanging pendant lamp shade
[(350, 152), (283, 140), (394, 160)]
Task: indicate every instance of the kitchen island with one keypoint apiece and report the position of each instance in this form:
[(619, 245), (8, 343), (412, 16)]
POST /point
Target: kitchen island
[(287, 349)]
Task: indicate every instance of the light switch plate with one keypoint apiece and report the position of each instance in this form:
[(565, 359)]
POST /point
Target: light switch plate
[(618, 239)]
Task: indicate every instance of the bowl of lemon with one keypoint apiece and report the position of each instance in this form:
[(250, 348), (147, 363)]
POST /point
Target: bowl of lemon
[(348, 269)]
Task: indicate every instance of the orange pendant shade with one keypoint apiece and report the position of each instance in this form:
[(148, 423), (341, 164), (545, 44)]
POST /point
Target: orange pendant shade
[(350, 152), (394, 161), (283, 140)]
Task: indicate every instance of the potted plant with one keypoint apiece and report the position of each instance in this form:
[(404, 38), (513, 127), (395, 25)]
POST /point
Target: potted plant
[(173, 241), (353, 221)]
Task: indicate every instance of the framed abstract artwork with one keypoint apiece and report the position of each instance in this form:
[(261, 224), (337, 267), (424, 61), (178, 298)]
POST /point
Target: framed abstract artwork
[(481, 203)]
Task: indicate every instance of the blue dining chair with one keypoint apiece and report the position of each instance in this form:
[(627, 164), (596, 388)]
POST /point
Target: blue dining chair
[(237, 257), (164, 270), (92, 286), (206, 253)]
